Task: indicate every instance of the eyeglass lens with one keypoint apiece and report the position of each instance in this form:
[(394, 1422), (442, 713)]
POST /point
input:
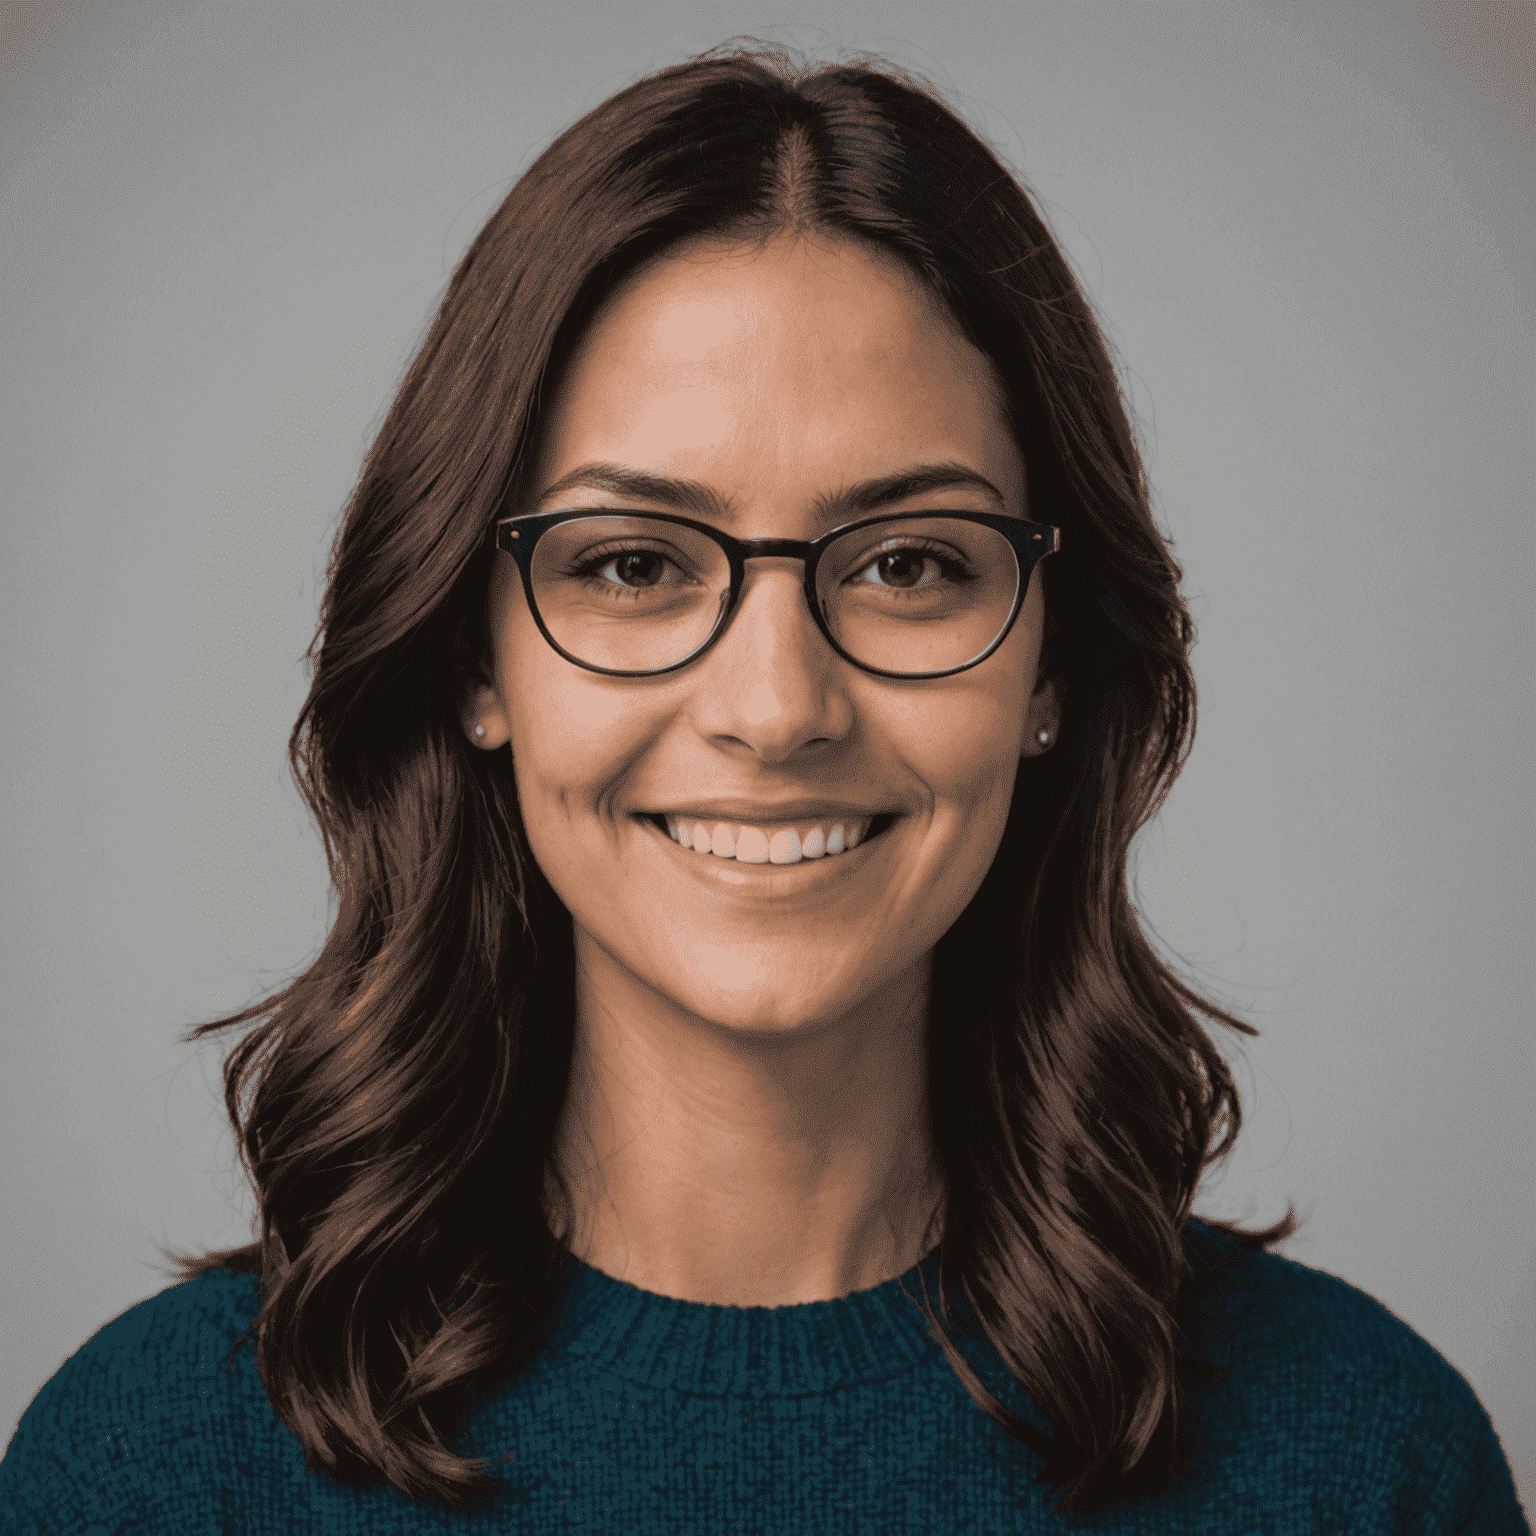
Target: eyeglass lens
[(633, 594)]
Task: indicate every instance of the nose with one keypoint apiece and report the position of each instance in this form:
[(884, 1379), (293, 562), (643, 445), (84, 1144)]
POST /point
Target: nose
[(771, 682)]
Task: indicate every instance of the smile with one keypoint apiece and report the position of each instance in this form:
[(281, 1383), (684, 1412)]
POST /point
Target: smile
[(773, 843)]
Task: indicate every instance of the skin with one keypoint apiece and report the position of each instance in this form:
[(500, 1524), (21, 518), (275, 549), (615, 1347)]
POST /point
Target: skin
[(747, 1122)]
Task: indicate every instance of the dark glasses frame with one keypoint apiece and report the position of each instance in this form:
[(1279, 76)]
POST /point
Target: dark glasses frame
[(518, 536)]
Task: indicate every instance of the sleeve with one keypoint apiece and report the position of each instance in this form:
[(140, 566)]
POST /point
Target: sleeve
[(1484, 1500), (1495, 1506), (130, 1433), (1360, 1423), (67, 1468), (1464, 1485)]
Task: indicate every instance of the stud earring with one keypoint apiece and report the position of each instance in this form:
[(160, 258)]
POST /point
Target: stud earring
[(479, 730), (1043, 737)]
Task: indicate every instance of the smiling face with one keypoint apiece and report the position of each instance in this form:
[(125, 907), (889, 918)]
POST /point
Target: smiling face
[(772, 380)]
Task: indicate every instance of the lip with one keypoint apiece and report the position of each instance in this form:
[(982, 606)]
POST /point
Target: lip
[(759, 814), (805, 875)]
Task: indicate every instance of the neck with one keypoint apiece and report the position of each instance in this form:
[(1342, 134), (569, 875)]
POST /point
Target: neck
[(737, 1168)]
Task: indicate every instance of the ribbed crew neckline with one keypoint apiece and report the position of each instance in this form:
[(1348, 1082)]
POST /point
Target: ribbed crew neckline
[(716, 1351), (804, 1348)]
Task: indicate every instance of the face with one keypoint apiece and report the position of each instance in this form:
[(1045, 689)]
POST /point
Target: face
[(770, 379)]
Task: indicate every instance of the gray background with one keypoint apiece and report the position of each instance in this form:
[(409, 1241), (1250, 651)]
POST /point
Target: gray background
[(1310, 237)]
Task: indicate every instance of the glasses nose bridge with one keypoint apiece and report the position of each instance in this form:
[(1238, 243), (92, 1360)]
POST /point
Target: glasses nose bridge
[(775, 549)]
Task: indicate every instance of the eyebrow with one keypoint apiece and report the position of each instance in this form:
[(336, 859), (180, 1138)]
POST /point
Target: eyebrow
[(692, 496)]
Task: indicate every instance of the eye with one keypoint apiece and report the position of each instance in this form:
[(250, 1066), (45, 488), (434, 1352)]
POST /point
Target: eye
[(628, 568), (910, 565), (638, 568), (902, 568)]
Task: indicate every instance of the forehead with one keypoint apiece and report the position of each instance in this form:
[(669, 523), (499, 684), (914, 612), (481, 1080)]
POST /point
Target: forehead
[(771, 370)]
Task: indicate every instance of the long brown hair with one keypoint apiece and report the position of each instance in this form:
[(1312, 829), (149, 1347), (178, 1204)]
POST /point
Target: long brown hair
[(407, 1085)]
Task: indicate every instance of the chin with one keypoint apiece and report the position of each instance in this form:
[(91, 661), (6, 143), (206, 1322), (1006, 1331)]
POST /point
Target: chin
[(751, 1013), (747, 1007), (754, 1022)]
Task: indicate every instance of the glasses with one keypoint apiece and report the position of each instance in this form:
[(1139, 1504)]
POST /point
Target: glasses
[(920, 594)]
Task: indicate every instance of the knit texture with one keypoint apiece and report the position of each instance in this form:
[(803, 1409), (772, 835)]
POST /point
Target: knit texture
[(645, 1414)]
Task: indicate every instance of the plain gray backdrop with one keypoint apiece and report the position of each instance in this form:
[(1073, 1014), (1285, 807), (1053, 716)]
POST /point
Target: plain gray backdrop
[(1309, 234)]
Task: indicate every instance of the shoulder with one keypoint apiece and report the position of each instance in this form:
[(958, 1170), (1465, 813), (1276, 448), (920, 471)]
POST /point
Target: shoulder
[(1324, 1377), (1276, 1311), (135, 1410), (157, 1349)]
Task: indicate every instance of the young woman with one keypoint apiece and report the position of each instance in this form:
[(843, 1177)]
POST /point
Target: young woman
[(735, 1092)]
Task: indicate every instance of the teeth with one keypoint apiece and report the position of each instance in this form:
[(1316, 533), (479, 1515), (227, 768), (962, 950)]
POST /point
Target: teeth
[(751, 845), (785, 847), (753, 848)]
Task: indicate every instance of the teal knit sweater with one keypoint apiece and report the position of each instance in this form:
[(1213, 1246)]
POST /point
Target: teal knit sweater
[(644, 1414)]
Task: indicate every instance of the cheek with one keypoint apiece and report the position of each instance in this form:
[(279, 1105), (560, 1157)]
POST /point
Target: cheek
[(573, 734), (572, 742), (971, 767), (572, 754), (966, 751), (965, 737), (548, 701)]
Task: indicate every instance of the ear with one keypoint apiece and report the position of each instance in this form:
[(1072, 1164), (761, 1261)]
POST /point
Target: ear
[(482, 713), (1043, 716)]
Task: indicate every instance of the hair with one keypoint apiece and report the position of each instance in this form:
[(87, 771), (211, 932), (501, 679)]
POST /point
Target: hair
[(412, 1077)]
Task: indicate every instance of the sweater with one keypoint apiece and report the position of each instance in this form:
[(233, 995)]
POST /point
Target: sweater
[(642, 1414)]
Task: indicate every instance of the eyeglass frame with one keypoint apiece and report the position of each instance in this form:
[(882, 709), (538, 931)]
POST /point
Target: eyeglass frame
[(1031, 543)]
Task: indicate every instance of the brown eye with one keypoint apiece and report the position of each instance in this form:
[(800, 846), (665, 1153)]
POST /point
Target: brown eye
[(900, 569), (639, 569)]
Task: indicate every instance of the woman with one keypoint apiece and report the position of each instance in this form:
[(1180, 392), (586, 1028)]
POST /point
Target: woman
[(735, 1091)]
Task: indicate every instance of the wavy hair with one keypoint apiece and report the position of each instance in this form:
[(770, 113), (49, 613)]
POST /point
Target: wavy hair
[(412, 1077)]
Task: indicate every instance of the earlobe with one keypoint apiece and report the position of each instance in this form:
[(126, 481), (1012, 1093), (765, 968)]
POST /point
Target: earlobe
[(485, 727), (1043, 722), (487, 734), (481, 715)]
